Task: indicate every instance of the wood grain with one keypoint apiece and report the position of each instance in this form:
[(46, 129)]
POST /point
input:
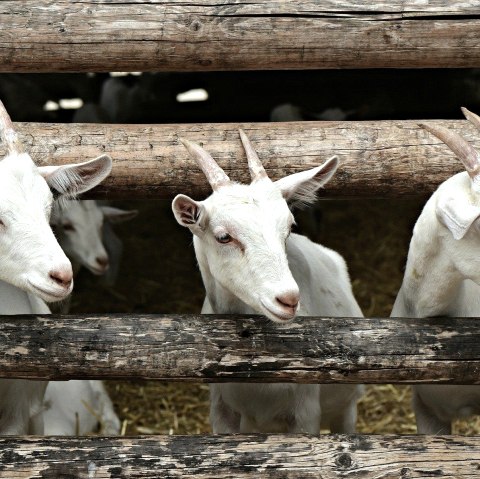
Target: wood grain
[(241, 457), (204, 348), (379, 158), (179, 35)]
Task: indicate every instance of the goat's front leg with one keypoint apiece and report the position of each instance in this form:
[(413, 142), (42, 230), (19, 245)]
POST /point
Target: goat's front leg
[(307, 417), (306, 423), (223, 419), (345, 422), (427, 421), (36, 425)]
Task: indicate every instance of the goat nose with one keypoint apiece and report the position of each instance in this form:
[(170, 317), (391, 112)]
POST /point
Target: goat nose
[(63, 277), (102, 261), (289, 300)]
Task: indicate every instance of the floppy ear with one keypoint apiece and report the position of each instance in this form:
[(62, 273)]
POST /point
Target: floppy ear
[(116, 215), (188, 212), (457, 214), (302, 187), (71, 180)]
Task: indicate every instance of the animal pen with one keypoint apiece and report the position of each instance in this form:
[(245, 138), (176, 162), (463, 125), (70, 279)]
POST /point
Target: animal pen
[(379, 158)]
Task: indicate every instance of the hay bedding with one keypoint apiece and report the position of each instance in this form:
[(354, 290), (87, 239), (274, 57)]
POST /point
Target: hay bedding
[(159, 267)]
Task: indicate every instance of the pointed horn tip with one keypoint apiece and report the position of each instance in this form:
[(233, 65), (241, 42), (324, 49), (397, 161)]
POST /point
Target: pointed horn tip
[(189, 145), (243, 136), (184, 142), (434, 130), (471, 117)]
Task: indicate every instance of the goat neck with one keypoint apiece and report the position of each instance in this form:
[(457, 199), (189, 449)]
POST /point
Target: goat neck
[(431, 280)]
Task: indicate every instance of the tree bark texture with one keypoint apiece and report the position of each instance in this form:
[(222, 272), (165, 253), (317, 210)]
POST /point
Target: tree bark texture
[(179, 35), (379, 158), (211, 348), (241, 457)]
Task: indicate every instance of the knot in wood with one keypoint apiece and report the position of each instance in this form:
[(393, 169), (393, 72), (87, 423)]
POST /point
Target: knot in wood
[(344, 460), (246, 333), (195, 25)]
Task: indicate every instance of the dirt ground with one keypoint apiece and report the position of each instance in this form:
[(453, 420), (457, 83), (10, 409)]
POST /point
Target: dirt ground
[(159, 275)]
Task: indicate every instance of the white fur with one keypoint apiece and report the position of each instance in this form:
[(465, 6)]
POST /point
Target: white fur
[(264, 262), (21, 401), (29, 254), (77, 408), (442, 278)]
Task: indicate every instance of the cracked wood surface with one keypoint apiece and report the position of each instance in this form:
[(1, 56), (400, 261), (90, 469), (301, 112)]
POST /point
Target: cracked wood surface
[(177, 35), (213, 348), (241, 457), (379, 158)]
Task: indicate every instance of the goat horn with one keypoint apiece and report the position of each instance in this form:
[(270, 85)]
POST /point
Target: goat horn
[(471, 117), (257, 171), (464, 151), (7, 133), (215, 175)]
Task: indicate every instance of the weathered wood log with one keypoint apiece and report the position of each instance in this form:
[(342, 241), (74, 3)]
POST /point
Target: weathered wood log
[(379, 158), (224, 349), (241, 457), (154, 35)]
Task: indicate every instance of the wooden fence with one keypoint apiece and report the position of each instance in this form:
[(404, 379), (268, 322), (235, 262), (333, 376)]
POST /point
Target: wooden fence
[(176, 35), (241, 457), (215, 348), (379, 159)]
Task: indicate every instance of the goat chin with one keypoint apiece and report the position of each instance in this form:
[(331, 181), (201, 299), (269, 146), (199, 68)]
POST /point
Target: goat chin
[(48, 293)]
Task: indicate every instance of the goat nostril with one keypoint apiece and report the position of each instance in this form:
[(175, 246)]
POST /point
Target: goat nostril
[(102, 261), (288, 300), (62, 278)]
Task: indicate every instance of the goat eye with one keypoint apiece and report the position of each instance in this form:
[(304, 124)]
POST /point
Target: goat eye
[(68, 227), (225, 238), (2, 223)]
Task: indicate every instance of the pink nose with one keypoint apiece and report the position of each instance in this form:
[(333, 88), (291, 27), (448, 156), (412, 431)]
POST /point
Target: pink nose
[(288, 300), (102, 261), (63, 277)]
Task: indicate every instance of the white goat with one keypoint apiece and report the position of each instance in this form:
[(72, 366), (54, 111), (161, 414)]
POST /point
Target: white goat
[(442, 276), (250, 263), (77, 408), (31, 261), (79, 229)]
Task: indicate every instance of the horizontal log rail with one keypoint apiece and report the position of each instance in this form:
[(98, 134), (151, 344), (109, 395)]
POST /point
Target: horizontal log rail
[(379, 158), (210, 348), (241, 457), (175, 35)]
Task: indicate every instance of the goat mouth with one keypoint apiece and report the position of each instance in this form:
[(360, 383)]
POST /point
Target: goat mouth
[(50, 293), (278, 314), (97, 271)]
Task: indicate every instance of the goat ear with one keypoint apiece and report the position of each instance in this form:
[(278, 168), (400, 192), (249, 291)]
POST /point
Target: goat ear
[(188, 212), (71, 180), (116, 215), (302, 187), (457, 214)]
